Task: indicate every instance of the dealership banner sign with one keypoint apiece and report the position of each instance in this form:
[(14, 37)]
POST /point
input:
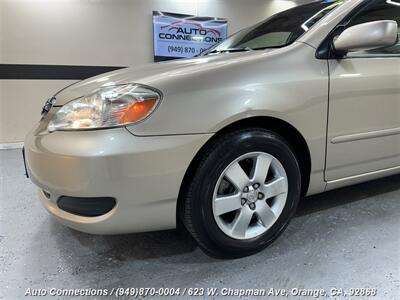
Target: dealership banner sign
[(184, 36)]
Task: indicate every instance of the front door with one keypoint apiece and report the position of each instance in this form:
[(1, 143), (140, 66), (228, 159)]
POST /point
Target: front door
[(364, 104)]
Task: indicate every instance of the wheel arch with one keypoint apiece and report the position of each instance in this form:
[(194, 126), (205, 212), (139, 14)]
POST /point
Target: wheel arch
[(283, 128)]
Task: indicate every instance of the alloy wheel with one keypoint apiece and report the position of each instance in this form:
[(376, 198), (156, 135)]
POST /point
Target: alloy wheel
[(250, 195)]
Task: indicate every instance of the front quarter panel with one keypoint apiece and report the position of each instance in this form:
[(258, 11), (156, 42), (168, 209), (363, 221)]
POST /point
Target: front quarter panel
[(289, 84)]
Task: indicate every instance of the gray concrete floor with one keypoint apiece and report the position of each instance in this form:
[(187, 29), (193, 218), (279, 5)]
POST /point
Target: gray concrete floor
[(343, 239)]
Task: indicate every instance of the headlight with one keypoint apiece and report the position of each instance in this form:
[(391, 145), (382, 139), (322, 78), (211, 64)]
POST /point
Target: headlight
[(107, 107)]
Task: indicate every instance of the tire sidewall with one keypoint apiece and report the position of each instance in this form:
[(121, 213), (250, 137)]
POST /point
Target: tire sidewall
[(234, 146)]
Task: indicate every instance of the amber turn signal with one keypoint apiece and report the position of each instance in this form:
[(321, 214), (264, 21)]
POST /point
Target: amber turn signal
[(137, 111)]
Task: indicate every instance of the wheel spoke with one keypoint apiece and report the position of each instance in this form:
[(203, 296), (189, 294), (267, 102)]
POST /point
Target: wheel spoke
[(225, 204), (274, 188), (242, 222), (242, 192), (237, 176), (266, 215), (261, 168)]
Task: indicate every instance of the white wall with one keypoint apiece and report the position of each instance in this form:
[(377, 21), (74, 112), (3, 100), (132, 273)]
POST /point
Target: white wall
[(90, 32)]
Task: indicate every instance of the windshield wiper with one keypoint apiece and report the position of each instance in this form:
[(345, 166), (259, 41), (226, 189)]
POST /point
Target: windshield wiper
[(272, 47), (229, 50)]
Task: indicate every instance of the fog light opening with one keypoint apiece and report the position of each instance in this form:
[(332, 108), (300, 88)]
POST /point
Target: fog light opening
[(86, 207)]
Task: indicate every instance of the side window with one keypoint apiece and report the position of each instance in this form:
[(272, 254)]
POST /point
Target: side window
[(378, 11)]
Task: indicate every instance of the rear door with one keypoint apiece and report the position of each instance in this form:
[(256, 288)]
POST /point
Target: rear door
[(364, 104)]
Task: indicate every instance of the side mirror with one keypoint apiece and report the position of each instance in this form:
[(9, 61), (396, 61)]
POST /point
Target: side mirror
[(367, 36)]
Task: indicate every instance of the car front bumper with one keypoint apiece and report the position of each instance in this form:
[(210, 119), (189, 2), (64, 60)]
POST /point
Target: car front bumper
[(143, 175)]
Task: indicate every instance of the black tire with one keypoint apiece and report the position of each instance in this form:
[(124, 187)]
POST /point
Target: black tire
[(196, 211)]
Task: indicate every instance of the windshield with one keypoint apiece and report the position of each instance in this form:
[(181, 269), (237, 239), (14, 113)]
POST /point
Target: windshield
[(278, 31)]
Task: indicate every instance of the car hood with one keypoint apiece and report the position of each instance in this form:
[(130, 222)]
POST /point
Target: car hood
[(155, 74)]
